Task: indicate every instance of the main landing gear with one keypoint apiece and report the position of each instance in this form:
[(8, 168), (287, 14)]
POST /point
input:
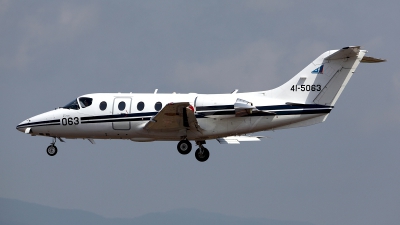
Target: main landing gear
[(201, 154), (52, 149), (184, 147)]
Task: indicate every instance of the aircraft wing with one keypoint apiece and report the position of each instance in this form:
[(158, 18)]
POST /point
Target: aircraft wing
[(238, 139), (174, 116)]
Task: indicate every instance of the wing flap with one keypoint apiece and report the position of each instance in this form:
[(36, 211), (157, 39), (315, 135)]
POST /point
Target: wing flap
[(238, 139), (227, 141)]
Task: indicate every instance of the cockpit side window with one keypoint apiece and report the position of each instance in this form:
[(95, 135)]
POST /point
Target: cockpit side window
[(72, 105), (85, 102)]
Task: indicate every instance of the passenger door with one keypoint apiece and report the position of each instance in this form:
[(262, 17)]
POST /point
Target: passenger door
[(122, 107)]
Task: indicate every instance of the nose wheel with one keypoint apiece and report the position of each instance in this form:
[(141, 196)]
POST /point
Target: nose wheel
[(52, 149)]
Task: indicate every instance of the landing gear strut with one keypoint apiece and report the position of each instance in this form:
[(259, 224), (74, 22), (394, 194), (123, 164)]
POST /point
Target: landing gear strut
[(52, 149), (201, 153), (184, 147)]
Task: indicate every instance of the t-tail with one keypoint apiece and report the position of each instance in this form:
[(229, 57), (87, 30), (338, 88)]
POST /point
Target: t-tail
[(323, 80), (318, 86)]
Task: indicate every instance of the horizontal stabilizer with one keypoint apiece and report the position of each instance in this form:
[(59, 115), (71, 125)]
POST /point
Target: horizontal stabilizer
[(345, 52), (367, 59), (238, 139)]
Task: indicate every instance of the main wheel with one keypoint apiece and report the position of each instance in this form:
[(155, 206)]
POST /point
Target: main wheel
[(202, 157), (52, 150), (184, 147)]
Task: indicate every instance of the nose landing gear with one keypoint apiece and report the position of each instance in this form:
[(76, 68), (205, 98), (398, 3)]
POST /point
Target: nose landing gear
[(52, 149)]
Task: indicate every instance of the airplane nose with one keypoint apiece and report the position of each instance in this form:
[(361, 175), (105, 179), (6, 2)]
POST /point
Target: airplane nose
[(22, 126), (37, 123)]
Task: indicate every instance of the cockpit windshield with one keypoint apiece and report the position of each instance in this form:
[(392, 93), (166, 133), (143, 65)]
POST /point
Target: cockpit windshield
[(85, 102), (72, 105)]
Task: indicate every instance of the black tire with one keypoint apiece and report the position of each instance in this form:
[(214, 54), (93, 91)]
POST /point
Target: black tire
[(184, 147), (51, 150), (202, 157)]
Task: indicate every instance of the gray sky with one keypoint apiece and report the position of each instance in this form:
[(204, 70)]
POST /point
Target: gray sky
[(344, 171)]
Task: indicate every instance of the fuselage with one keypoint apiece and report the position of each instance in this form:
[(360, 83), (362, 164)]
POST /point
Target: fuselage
[(124, 116)]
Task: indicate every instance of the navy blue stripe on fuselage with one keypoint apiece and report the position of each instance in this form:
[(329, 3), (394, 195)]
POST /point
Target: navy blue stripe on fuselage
[(214, 107), (128, 115), (202, 112), (118, 120), (40, 123), (281, 107), (269, 113), (272, 110), (294, 112)]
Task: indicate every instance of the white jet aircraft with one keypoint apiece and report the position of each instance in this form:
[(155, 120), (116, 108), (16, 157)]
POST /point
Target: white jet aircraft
[(304, 100)]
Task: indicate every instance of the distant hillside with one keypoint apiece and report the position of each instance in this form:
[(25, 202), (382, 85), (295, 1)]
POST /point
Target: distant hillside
[(14, 212)]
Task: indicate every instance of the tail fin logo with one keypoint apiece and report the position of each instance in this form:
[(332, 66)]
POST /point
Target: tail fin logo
[(319, 70)]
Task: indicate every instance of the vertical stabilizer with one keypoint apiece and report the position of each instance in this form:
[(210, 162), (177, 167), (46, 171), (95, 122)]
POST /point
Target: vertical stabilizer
[(343, 63), (323, 80)]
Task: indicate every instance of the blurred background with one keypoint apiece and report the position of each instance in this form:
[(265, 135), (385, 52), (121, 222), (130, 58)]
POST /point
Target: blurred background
[(343, 171)]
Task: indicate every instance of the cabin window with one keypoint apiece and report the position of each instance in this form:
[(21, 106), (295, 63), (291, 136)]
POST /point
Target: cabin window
[(85, 102), (121, 105), (103, 105), (158, 106), (72, 105), (140, 106)]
